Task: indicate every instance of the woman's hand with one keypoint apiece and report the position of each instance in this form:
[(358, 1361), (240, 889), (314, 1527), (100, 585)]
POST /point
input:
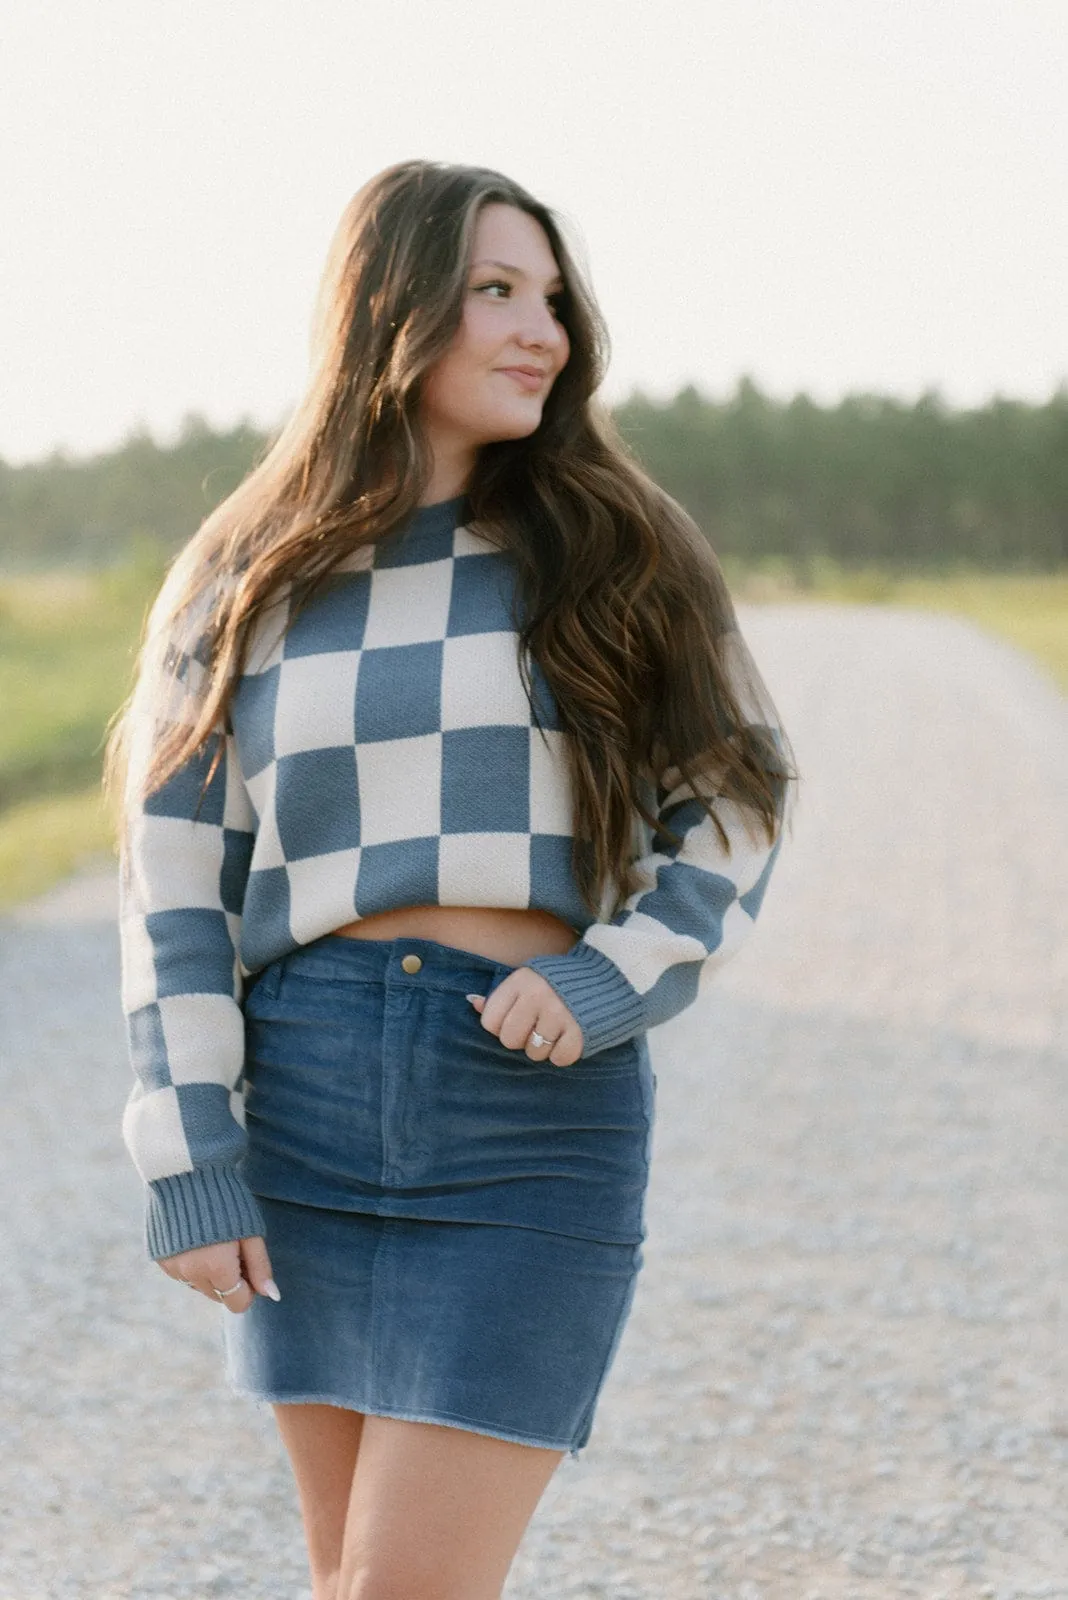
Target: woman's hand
[(219, 1266), (522, 1003)]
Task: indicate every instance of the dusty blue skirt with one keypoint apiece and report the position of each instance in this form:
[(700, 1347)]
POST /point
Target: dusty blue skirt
[(456, 1230)]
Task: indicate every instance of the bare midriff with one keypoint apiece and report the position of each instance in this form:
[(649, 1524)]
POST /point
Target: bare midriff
[(509, 934)]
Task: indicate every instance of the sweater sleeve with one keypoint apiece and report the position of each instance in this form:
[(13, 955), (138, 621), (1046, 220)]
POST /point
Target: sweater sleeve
[(694, 907), (182, 875)]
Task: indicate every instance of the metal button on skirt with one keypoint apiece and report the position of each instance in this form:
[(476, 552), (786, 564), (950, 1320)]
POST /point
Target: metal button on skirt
[(455, 1230)]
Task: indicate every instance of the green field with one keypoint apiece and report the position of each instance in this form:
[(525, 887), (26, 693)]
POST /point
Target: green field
[(67, 650), (65, 656), (1030, 610), (68, 643)]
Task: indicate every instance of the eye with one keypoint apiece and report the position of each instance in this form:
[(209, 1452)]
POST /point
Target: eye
[(556, 301)]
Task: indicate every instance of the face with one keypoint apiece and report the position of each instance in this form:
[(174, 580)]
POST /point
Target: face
[(510, 320)]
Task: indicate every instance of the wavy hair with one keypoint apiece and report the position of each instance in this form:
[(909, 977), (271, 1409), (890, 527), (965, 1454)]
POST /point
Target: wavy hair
[(620, 597)]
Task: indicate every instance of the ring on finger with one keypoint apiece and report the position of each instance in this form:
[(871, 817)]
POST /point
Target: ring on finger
[(537, 1039), (222, 1293)]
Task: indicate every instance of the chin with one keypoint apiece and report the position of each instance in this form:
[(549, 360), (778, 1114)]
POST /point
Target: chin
[(515, 427)]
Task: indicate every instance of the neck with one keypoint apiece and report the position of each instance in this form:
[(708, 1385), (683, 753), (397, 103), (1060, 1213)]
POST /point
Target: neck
[(454, 463)]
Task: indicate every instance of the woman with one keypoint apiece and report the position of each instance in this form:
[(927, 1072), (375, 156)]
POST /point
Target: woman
[(446, 775)]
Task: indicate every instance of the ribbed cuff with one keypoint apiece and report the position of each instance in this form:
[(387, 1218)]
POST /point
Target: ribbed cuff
[(602, 1002), (208, 1206)]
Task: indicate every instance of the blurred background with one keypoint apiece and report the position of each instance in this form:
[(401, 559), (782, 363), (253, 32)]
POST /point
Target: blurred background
[(826, 238), (831, 246)]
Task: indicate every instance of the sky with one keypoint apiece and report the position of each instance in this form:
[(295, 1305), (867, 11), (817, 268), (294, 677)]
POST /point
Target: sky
[(828, 196)]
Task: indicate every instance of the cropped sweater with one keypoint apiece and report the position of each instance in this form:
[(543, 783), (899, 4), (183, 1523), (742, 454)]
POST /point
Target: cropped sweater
[(382, 752)]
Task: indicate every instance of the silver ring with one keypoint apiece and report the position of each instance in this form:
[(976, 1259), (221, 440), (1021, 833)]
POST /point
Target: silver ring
[(222, 1293), (537, 1038)]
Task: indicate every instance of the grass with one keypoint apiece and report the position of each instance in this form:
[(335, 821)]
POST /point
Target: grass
[(43, 841), (68, 643), (1030, 610)]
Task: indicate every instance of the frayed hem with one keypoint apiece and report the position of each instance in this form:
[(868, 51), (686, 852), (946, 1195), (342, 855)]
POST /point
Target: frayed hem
[(443, 1419)]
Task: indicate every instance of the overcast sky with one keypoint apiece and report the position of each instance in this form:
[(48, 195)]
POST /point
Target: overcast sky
[(828, 195)]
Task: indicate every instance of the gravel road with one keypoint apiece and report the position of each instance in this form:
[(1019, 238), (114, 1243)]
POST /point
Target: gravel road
[(844, 1375)]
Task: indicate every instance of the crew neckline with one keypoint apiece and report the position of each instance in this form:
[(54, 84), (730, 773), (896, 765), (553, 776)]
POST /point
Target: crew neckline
[(455, 503), (436, 505), (439, 517)]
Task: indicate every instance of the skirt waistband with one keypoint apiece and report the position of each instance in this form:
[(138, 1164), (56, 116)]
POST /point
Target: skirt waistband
[(404, 960)]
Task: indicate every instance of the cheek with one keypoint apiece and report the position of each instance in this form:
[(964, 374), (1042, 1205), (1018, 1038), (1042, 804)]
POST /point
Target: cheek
[(448, 384), (482, 334), (465, 362)]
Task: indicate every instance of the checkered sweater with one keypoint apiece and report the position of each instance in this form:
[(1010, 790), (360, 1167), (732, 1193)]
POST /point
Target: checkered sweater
[(382, 753)]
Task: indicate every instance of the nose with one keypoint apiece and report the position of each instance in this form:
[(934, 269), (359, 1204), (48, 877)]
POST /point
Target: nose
[(539, 327)]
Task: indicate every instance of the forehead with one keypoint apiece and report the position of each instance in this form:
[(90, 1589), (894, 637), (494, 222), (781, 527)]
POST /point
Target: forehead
[(508, 234)]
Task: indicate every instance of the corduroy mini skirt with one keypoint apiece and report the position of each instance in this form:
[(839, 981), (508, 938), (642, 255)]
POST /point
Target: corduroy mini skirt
[(455, 1230)]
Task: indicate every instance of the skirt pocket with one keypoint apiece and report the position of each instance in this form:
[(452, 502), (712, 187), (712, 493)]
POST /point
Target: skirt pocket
[(570, 1143), (622, 1058), (313, 1087)]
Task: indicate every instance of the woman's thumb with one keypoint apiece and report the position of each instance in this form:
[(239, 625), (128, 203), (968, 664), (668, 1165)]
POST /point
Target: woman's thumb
[(258, 1267)]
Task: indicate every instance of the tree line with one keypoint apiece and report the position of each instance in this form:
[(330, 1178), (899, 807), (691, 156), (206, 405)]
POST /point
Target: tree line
[(870, 480)]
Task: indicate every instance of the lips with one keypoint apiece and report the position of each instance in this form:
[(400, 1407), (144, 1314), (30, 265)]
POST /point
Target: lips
[(526, 377)]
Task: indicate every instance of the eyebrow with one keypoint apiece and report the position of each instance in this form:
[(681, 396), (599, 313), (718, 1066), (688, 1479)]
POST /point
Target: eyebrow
[(517, 270)]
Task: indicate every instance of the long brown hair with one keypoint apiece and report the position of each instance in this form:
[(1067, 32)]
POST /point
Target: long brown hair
[(624, 605)]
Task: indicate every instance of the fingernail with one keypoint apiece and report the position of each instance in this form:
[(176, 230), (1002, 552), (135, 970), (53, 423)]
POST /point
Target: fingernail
[(271, 1288), (472, 997)]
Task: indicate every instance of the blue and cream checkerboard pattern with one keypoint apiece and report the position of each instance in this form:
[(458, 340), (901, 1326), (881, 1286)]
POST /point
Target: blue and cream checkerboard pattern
[(381, 752)]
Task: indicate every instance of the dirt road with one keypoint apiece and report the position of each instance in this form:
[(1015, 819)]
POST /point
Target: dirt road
[(844, 1376)]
